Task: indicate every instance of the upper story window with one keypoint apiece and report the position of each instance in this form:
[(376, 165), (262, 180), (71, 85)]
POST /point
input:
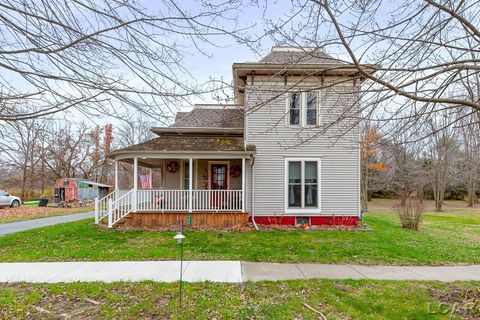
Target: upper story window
[(303, 108), (295, 108)]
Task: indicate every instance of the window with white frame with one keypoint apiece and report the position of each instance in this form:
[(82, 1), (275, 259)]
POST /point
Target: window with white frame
[(303, 108), (302, 179)]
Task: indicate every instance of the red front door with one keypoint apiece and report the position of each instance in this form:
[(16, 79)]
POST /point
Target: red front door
[(219, 177), (218, 182)]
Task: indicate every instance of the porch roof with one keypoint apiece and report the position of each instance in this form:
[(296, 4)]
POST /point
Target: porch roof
[(182, 144)]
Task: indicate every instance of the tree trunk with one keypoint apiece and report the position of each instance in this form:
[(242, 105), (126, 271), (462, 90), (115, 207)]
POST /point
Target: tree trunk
[(420, 194), (403, 197), (438, 194), (472, 196), (364, 188), (24, 182), (42, 182)]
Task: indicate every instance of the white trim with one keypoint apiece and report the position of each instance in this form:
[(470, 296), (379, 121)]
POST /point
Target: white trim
[(184, 155), (218, 106), (359, 175), (190, 184), (116, 175), (303, 210), (135, 183), (243, 184), (195, 167), (210, 173), (182, 172)]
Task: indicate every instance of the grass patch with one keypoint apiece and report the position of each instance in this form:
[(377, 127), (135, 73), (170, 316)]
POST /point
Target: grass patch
[(442, 239), (359, 299)]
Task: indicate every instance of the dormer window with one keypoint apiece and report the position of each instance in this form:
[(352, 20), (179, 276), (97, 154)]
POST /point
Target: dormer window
[(303, 108)]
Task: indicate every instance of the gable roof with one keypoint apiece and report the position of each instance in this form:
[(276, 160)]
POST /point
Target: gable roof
[(210, 118)]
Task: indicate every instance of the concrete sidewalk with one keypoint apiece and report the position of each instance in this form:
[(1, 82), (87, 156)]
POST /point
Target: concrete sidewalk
[(12, 227), (221, 271)]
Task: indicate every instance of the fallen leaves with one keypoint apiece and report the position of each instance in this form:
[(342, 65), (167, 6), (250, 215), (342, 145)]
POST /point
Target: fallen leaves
[(25, 213)]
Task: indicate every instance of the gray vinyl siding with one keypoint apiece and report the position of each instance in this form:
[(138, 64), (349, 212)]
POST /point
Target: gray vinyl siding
[(267, 129)]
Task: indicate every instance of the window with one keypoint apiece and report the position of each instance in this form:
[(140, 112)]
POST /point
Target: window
[(311, 184), (303, 108), (295, 184), (295, 103), (299, 221), (302, 179), (311, 108)]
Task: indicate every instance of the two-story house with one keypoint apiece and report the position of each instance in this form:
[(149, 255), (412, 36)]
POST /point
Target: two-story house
[(287, 152)]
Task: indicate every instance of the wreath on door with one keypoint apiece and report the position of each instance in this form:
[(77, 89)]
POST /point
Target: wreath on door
[(235, 171), (172, 166)]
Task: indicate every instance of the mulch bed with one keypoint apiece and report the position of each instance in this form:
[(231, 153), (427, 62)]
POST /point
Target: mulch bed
[(246, 228)]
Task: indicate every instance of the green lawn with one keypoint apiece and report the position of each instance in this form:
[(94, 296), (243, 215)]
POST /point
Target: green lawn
[(443, 239), (264, 300)]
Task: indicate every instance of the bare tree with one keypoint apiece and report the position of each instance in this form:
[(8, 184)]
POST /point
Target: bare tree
[(370, 162), (406, 176), (100, 56), (442, 157), (19, 150), (469, 134), (134, 130)]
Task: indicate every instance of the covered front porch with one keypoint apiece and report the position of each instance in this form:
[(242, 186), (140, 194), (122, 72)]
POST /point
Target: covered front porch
[(169, 188)]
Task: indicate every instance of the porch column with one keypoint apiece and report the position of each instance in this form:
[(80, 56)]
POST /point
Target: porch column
[(243, 184), (190, 184), (116, 176), (135, 184)]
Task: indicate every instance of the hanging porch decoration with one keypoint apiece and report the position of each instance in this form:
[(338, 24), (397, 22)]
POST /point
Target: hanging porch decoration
[(235, 171), (172, 166)]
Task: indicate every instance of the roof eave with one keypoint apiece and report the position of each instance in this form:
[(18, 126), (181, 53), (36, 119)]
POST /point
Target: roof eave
[(115, 154), (332, 68), (196, 130)]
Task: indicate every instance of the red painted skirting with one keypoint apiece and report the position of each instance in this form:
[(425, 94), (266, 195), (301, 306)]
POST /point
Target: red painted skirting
[(314, 221)]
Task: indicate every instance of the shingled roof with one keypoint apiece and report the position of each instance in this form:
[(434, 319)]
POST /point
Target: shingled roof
[(291, 55), (210, 118), (189, 143)]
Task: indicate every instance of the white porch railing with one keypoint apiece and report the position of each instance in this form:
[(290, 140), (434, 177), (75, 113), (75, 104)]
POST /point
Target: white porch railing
[(177, 200), (162, 200), (117, 206), (217, 200), (120, 208), (101, 206)]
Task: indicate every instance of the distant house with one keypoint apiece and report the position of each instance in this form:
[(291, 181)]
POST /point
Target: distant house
[(229, 164), (78, 190)]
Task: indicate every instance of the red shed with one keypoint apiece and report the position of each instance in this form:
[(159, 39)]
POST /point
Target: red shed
[(74, 189)]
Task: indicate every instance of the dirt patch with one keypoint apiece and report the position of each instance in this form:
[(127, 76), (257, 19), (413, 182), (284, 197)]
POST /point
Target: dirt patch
[(61, 306), (464, 303)]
